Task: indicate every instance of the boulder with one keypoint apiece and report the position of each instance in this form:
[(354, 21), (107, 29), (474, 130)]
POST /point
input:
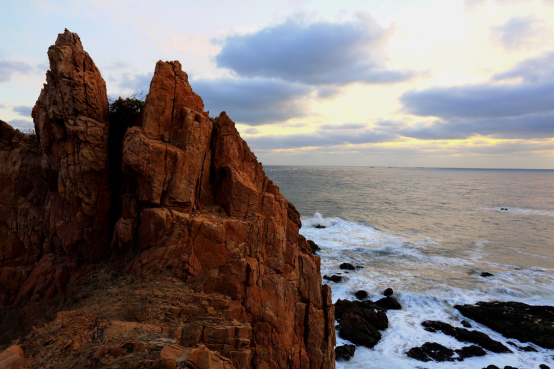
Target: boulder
[(345, 352), (347, 266), (431, 351), (361, 294), (389, 303), (333, 278), (388, 292), (486, 274), (466, 336), (314, 246), (360, 322), (515, 320)]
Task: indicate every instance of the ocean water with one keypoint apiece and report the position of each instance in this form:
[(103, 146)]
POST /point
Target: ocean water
[(428, 234)]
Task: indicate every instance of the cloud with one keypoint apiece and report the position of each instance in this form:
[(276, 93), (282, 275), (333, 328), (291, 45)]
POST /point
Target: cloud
[(535, 70), (253, 101), (532, 126), (138, 81), (519, 33), (516, 103), (8, 68), (23, 110), (323, 138), (320, 53), (344, 126), (22, 124), (480, 100)]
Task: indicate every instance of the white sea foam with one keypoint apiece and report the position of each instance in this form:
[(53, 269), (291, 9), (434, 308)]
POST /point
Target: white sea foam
[(428, 280)]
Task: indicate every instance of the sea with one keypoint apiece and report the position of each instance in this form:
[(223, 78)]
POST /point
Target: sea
[(429, 233)]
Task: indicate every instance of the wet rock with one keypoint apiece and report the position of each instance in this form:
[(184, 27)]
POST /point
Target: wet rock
[(510, 367), (360, 322), (543, 366), (467, 336), (314, 246), (524, 349), (361, 294), (347, 266), (486, 274), (503, 209), (333, 278), (345, 352), (431, 351), (388, 292), (491, 367), (515, 320), (470, 351), (466, 324), (389, 303), (319, 226)]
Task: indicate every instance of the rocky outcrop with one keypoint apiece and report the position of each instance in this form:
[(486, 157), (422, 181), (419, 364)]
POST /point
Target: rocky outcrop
[(515, 320), (191, 201)]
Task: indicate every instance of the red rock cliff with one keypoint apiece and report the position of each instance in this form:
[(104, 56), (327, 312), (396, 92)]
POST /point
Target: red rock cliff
[(195, 201)]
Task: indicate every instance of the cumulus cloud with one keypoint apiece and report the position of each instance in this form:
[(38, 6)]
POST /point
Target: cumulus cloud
[(8, 68), (535, 70), (323, 138), (23, 110), (253, 101), (320, 53), (519, 33)]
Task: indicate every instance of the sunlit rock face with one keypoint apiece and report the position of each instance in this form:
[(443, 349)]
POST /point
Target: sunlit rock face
[(194, 200)]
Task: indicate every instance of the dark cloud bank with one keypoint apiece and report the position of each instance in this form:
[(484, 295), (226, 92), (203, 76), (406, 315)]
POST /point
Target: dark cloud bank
[(516, 103)]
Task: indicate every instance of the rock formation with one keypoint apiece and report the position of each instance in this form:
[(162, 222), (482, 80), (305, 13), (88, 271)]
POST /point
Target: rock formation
[(191, 201)]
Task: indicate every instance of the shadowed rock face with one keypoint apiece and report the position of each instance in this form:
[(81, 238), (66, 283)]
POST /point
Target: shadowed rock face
[(195, 201)]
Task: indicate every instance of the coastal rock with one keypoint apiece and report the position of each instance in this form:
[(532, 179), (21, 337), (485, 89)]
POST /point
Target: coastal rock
[(314, 246), (360, 322), (345, 352), (347, 266), (12, 358), (486, 274), (491, 367), (333, 278), (388, 292), (467, 336), (543, 366), (431, 351), (389, 303), (195, 205), (515, 320), (361, 294), (523, 349), (465, 324)]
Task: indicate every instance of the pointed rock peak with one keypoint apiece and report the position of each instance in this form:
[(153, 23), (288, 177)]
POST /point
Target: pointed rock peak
[(70, 39)]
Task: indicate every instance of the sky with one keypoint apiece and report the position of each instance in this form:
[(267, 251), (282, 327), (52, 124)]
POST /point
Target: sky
[(426, 83)]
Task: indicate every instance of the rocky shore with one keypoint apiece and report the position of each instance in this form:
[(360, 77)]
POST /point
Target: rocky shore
[(186, 255)]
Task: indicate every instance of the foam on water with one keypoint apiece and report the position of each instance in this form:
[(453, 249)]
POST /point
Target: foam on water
[(429, 280)]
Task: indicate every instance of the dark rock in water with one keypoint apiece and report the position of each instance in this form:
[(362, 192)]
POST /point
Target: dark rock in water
[(333, 278), (360, 322), (543, 366), (319, 226), (347, 266), (467, 336), (524, 349), (470, 351), (466, 324), (314, 246), (389, 303), (510, 367), (486, 274), (491, 367), (388, 292), (503, 209), (515, 320), (345, 352), (359, 267), (431, 351), (361, 294)]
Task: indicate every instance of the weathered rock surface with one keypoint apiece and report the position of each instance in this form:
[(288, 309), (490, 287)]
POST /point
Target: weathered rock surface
[(389, 303), (467, 336), (195, 203), (432, 351), (12, 358), (515, 320), (345, 352), (360, 322)]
